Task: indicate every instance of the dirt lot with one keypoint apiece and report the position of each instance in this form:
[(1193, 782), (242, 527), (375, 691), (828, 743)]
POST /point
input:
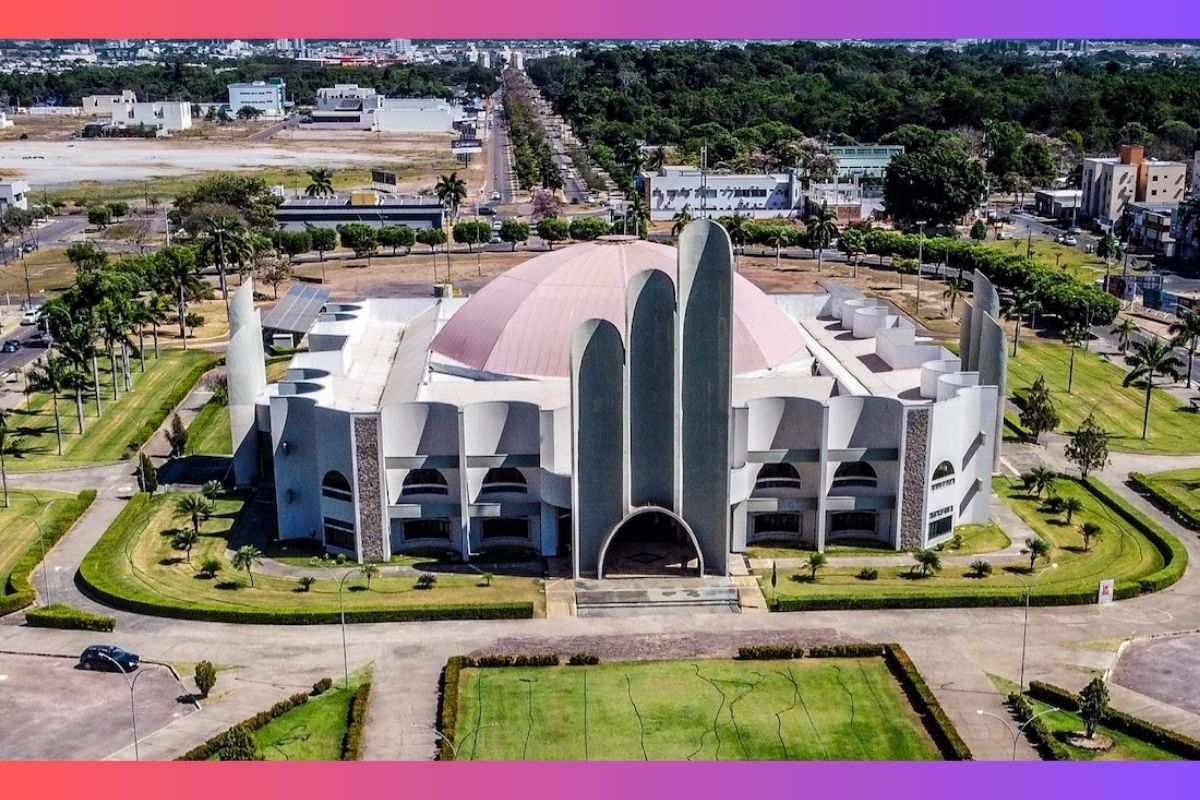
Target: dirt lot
[(51, 710)]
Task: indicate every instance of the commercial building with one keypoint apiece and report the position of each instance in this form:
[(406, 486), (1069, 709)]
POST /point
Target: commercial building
[(108, 105), (1150, 229), (350, 106), (674, 188), (866, 160), (1061, 204), (14, 194), (629, 406), (266, 96), (371, 208), (1110, 184), (124, 111)]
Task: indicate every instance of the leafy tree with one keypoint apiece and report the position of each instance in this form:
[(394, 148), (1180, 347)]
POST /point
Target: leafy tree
[(583, 229), (194, 507), (1036, 547), (432, 237), (1124, 331), (294, 243), (205, 677), (273, 272), (927, 559), (323, 240), (545, 204), (369, 571), (86, 256), (305, 582), (553, 229), (939, 184), (359, 237), (238, 745), (248, 113), (1075, 335), (119, 208), (1186, 330), (514, 231), (397, 236), (979, 230), (1038, 413), (1093, 703), (320, 183), (193, 321), (245, 557), (1088, 448), (1151, 357), (1107, 248), (472, 233), (815, 562), (185, 539), (1090, 531), (147, 475), (177, 437), (99, 215), (852, 242)]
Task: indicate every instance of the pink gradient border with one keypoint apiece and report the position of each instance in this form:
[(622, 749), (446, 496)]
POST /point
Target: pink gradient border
[(495, 19)]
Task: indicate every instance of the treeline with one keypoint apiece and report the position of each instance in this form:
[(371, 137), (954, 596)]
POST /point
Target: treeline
[(207, 84), (741, 100), (533, 161)]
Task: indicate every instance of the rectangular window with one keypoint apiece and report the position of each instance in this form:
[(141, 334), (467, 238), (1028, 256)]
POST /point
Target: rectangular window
[(339, 534), (863, 521), (776, 523), (427, 529), (505, 528), (941, 527)]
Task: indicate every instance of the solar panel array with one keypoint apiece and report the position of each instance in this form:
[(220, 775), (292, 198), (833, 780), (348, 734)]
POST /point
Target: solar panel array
[(298, 309)]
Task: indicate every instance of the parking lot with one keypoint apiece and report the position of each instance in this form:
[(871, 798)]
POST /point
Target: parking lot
[(51, 710)]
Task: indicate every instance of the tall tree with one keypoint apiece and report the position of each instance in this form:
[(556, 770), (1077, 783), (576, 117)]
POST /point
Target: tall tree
[(1016, 306), (1088, 448), (194, 507), (1038, 414), (1150, 358), (1124, 331), (681, 219), (320, 183), (1075, 335), (954, 290), (451, 190), (178, 276), (53, 375), (852, 242), (1186, 330), (5, 415), (822, 229), (245, 557), (225, 241), (939, 184)]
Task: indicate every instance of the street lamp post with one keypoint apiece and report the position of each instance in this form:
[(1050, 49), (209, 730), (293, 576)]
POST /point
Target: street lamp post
[(449, 742), (341, 582), (137, 755), (42, 543), (1025, 631), (1020, 729)]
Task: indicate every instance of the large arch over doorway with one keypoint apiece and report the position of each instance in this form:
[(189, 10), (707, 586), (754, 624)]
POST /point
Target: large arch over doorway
[(650, 541)]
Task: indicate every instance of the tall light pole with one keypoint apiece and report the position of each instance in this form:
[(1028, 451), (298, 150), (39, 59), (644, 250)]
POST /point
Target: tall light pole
[(920, 258), (1015, 733), (1025, 632), (341, 582), (42, 542), (137, 755), (449, 742)]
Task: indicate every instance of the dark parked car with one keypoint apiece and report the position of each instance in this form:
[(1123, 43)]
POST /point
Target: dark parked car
[(487, 211), (11, 346), (102, 656)]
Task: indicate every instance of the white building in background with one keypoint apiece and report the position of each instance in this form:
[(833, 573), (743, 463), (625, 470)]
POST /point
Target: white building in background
[(350, 106), (266, 96), (636, 408), (5, 122), (166, 117), (765, 196), (108, 105), (14, 194)]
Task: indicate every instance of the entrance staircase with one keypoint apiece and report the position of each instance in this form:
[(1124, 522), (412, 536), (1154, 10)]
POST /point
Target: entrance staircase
[(656, 595)]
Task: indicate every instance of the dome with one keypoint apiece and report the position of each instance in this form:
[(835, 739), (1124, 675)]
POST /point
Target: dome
[(522, 322)]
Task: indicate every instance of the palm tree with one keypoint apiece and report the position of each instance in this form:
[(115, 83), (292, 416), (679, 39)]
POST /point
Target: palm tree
[(1124, 331), (778, 237), (158, 307), (1091, 531), (815, 562), (656, 159), (953, 291), (77, 343), (185, 540), (225, 238), (1071, 506), (822, 229), (320, 183), (114, 330), (245, 557), (195, 507), (1017, 306), (52, 375), (927, 559), (1041, 479), (5, 413), (1151, 357), (451, 190), (735, 226), (1186, 330), (369, 571), (1036, 547), (181, 278), (1074, 335), (681, 219), (212, 489)]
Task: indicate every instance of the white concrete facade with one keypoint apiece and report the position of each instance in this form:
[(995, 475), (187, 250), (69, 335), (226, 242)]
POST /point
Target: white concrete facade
[(266, 96), (864, 431), (14, 194), (765, 196), (109, 105)]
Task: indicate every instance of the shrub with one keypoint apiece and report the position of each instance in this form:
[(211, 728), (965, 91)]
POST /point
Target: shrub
[(537, 660), (209, 567), (769, 652), (501, 660), (583, 659), (868, 574), (426, 581), (852, 650), (16, 592), (1044, 739), (205, 677), (238, 745), (940, 728), (305, 582), (321, 686), (980, 568), (211, 748), (66, 617), (448, 706), (352, 741)]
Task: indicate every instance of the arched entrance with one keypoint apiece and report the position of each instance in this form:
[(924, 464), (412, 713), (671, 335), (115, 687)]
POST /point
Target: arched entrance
[(650, 542)]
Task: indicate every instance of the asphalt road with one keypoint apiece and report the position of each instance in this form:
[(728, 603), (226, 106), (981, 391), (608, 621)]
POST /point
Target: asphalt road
[(499, 177)]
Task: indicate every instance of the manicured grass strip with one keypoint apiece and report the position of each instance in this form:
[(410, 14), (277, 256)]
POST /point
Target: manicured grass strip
[(209, 433), (61, 616), (1098, 390), (973, 539), (134, 567), (210, 748), (1176, 493), (57, 520), (1133, 550), (127, 423)]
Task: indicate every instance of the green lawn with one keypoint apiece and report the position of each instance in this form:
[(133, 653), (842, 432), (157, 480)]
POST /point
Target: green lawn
[(975, 539), (1097, 389), (1081, 266), (209, 432), (313, 731), (17, 529), (1122, 553), (827, 709), (134, 560), (125, 425), (1178, 491)]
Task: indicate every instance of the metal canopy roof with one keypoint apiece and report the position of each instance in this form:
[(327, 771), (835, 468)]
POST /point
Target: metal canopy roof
[(298, 309)]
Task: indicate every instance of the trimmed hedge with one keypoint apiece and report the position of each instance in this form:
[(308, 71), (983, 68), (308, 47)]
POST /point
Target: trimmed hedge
[(1175, 559), (583, 660), (1043, 738), (323, 685), (100, 584), (769, 652), (17, 591), (352, 741), (448, 706), (501, 660), (941, 728), (852, 650), (208, 749), (1172, 741), (1164, 504), (66, 617)]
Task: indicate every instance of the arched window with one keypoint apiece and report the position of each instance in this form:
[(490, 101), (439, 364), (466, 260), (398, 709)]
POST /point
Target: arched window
[(424, 481), (504, 479), (777, 476), (943, 475), (855, 473), (335, 486)]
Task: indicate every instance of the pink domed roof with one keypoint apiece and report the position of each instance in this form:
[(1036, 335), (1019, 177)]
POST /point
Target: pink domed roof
[(521, 323)]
